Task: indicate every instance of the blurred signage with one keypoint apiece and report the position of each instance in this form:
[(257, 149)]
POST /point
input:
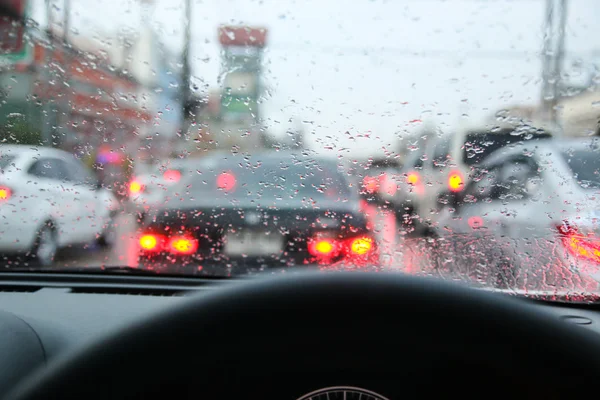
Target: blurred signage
[(238, 106), (240, 83), (12, 27), (242, 36)]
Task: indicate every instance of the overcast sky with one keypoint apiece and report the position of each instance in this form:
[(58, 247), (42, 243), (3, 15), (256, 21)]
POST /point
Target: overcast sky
[(373, 68)]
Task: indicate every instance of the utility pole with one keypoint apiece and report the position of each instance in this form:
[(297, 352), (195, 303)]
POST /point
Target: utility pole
[(552, 57), (46, 76), (186, 70), (67, 63)]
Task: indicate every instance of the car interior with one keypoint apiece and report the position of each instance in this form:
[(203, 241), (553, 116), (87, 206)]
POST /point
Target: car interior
[(112, 336)]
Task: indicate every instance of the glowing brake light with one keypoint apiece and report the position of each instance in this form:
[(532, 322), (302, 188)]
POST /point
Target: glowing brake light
[(150, 242), (183, 245), (226, 181), (455, 181), (172, 175), (323, 247), (361, 246), (5, 193), (135, 187)]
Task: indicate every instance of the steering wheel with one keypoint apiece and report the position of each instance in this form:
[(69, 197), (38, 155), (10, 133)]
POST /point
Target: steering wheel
[(281, 337)]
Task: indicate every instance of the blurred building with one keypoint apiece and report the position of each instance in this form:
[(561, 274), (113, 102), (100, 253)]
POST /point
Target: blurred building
[(578, 115), (70, 98)]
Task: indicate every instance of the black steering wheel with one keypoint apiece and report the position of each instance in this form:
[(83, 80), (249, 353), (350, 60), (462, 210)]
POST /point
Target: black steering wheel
[(281, 337)]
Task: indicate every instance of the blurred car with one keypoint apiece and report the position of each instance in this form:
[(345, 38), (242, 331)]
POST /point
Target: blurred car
[(151, 186), (530, 215), (446, 162), (379, 180), (248, 213), (48, 200)]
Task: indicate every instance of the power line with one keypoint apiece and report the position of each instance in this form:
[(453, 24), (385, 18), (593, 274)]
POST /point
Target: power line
[(433, 53)]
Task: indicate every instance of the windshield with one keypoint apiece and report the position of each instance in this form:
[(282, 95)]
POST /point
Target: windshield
[(456, 140), (585, 165), (479, 145), (5, 160), (270, 180)]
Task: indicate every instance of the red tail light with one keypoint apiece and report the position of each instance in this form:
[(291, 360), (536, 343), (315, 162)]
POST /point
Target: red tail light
[(172, 175), (358, 249), (5, 193), (151, 243), (226, 181), (179, 244), (135, 187), (361, 246), (323, 247), (184, 245), (455, 181), (579, 244)]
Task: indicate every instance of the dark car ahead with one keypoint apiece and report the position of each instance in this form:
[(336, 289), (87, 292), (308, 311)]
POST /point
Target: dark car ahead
[(247, 213)]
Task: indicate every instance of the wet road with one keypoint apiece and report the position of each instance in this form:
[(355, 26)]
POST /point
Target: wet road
[(124, 252)]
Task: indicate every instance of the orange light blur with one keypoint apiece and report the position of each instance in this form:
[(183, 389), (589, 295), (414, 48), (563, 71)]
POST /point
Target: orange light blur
[(412, 178), (371, 184), (323, 247), (5, 193), (361, 246), (135, 187), (183, 245), (455, 181), (149, 242)]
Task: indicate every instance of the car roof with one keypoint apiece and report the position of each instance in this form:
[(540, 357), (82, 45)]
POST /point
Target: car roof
[(21, 149), (268, 157), (543, 145)]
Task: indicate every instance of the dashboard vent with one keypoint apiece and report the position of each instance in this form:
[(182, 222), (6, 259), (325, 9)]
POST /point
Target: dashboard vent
[(128, 291)]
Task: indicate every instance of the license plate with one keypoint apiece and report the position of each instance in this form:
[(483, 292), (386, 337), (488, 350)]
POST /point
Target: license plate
[(251, 243)]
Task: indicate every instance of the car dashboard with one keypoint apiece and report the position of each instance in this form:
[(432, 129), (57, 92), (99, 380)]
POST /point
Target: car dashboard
[(44, 316)]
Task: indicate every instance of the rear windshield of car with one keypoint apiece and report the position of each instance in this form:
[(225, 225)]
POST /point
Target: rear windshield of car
[(283, 180), (5, 160), (441, 153), (479, 145), (585, 166)]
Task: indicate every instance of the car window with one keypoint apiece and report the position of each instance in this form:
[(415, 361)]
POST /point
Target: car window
[(479, 145), (5, 160), (49, 168), (270, 180), (80, 174), (483, 186), (513, 178), (585, 167), (441, 155)]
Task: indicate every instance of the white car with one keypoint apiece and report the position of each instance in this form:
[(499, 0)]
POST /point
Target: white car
[(532, 205), (48, 200), (445, 163)]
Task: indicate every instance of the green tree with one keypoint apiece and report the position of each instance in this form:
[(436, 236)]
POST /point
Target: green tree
[(18, 131)]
